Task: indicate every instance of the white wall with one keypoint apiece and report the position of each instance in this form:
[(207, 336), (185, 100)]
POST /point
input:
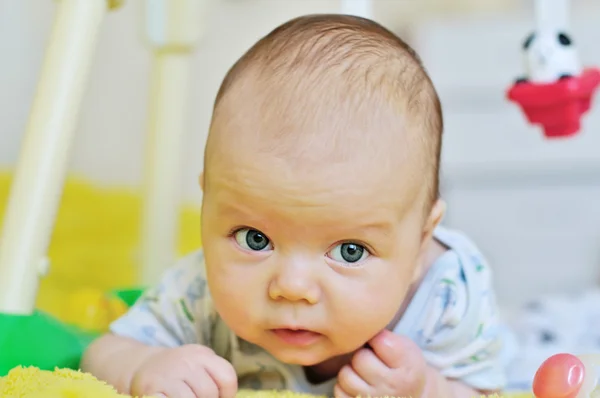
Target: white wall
[(529, 203), (112, 123)]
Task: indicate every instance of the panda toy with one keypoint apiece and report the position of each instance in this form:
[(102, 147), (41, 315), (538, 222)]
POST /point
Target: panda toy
[(555, 90), (549, 56)]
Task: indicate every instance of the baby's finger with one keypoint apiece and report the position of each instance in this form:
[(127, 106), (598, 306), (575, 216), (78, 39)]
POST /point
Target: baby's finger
[(397, 351), (203, 385), (368, 366), (338, 392), (178, 389), (352, 383), (224, 375)]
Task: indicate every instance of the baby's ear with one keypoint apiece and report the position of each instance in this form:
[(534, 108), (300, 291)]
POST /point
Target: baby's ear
[(434, 218), (201, 180), (438, 210)]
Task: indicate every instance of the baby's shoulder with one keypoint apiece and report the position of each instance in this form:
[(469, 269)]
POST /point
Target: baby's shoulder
[(456, 290), (454, 316), (190, 264), (187, 275), (463, 254)]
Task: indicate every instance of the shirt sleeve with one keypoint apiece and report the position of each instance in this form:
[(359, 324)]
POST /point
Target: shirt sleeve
[(455, 319), (177, 311)]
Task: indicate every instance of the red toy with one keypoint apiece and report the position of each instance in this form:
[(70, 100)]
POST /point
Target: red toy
[(556, 91), (558, 106), (568, 376), (560, 376)]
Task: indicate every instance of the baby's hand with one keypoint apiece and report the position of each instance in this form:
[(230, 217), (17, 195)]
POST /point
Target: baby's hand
[(189, 371), (394, 367)]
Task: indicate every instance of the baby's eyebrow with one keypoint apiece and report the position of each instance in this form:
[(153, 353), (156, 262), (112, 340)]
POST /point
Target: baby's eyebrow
[(378, 226), (382, 227), (228, 208)]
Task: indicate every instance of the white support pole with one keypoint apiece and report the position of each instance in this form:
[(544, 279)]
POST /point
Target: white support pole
[(42, 166), (359, 8), (551, 15), (173, 27)]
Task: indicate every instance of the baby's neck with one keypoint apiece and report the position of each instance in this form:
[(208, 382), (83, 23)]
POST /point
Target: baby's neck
[(326, 370)]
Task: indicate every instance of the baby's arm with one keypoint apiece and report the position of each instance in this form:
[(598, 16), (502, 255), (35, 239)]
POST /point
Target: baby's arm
[(443, 387), (460, 331), (115, 359), (168, 327)]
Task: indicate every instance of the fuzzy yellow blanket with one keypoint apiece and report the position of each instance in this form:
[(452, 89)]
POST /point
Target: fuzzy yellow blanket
[(65, 383)]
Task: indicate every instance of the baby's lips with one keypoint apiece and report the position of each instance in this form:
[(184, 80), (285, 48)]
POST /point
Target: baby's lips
[(560, 376)]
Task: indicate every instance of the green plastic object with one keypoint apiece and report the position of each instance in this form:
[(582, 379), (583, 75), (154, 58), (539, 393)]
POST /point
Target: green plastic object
[(43, 341), (40, 340), (129, 296)]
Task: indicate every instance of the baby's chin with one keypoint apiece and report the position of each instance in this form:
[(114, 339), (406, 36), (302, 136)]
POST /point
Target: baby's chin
[(301, 357), (309, 356), (322, 350)]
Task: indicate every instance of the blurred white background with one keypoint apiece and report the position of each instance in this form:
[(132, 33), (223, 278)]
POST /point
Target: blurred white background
[(531, 204)]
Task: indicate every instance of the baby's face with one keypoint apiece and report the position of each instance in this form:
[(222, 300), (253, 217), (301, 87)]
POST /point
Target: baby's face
[(308, 261)]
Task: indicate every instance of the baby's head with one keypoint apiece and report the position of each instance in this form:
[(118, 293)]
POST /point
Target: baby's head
[(320, 186)]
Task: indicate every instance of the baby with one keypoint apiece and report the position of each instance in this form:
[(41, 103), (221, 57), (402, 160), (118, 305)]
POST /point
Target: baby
[(324, 269)]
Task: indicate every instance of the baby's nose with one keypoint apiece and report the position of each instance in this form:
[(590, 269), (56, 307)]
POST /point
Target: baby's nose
[(295, 282)]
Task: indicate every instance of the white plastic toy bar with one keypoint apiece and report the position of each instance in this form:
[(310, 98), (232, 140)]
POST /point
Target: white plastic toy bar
[(45, 153), (173, 26)]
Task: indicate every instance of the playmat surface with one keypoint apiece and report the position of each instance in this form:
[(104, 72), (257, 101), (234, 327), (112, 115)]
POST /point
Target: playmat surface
[(64, 383), (95, 246)]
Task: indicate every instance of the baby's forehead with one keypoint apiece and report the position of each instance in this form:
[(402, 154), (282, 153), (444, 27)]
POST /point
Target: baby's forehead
[(251, 184), (312, 158), (328, 107), (319, 160), (313, 131)]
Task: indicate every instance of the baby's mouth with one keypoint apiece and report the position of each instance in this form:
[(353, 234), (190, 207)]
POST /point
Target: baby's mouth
[(296, 337)]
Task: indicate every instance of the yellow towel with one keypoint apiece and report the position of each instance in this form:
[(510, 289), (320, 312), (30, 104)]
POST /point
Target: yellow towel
[(65, 383), (95, 247)]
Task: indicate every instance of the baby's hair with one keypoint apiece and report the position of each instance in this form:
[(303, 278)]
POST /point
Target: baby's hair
[(361, 61)]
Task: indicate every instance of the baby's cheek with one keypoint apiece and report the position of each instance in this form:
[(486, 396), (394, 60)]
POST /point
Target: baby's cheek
[(230, 293), (235, 296), (367, 307)]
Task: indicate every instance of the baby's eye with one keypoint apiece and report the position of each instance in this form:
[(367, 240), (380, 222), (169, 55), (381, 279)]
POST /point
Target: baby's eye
[(251, 239), (349, 253)]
